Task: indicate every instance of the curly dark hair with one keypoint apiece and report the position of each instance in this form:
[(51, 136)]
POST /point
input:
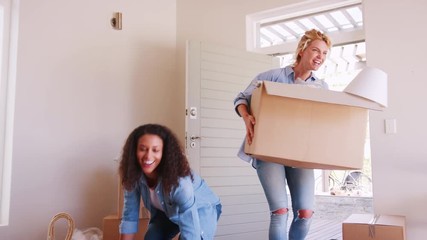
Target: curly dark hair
[(174, 163)]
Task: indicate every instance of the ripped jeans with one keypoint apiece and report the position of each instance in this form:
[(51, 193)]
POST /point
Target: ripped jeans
[(273, 178)]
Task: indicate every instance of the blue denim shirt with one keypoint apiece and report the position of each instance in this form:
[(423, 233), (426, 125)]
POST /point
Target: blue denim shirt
[(280, 75), (187, 205)]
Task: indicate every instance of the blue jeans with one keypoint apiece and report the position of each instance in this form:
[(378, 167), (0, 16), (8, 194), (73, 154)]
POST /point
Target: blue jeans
[(273, 178), (160, 227)]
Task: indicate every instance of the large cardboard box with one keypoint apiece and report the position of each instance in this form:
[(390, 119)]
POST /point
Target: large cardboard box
[(305, 127), (374, 227)]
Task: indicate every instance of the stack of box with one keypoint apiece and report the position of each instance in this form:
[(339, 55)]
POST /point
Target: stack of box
[(374, 227), (111, 222)]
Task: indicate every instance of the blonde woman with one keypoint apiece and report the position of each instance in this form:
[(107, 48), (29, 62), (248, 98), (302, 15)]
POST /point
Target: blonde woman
[(310, 55)]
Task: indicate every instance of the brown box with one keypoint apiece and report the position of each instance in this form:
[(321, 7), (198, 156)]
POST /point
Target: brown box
[(374, 227), (111, 224), (305, 127)]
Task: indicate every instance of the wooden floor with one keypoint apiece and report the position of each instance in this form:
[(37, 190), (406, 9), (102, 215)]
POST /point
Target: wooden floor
[(325, 230)]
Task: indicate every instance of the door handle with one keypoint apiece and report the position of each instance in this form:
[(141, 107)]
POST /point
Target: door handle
[(194, 138)]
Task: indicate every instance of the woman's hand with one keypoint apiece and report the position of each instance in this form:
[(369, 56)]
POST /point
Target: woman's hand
[(249, 122)]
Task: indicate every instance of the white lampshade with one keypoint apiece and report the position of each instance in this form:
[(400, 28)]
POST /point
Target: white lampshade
[(370, 83)]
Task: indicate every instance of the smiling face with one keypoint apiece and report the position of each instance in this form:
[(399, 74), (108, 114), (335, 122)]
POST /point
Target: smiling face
[(149, 154), (314, 55)]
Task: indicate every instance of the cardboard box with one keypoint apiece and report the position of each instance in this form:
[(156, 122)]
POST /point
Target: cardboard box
[(374, 227), (111, 223), (305, 127)]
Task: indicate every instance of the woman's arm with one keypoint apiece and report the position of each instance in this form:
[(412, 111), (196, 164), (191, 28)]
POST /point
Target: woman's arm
[(130, 215), (183, 198), (249, 120)]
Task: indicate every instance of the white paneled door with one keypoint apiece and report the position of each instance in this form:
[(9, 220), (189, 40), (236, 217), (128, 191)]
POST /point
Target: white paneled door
[(214, 132)]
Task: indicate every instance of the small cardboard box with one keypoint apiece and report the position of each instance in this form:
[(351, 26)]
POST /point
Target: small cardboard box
[(111, 225), (374, 227), (305, 127)]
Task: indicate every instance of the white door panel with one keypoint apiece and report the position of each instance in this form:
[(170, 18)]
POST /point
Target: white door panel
[(215, 75)]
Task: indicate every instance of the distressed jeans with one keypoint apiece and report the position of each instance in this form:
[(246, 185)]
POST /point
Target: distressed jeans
[(273, 178)]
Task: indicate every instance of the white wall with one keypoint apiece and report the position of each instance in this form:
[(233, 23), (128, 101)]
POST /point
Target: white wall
[(395, 42), (81, 88)]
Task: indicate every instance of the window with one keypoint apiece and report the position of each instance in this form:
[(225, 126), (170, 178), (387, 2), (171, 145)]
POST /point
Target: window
[(276, 32), (7, 86)]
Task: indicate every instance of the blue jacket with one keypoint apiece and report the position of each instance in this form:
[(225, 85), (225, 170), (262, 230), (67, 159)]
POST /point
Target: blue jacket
[(186, 205)]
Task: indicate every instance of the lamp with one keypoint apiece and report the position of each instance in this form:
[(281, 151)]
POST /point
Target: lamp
[(370, 83)]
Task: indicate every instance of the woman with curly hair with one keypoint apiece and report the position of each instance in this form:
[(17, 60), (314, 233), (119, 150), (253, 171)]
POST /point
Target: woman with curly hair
[(154, 168)]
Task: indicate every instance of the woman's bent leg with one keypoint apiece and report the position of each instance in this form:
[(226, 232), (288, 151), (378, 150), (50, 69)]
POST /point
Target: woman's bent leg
[(160, 227), (301, 187), (272, 177)]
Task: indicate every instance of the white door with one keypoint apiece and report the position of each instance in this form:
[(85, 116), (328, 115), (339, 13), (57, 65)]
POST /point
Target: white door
[(214, 132)]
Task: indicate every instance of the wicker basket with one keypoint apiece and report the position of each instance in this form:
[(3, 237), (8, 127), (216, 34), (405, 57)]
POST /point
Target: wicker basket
[(51, 230)]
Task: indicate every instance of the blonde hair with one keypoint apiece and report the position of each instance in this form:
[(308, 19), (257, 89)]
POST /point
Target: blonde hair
[(306, 39)]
